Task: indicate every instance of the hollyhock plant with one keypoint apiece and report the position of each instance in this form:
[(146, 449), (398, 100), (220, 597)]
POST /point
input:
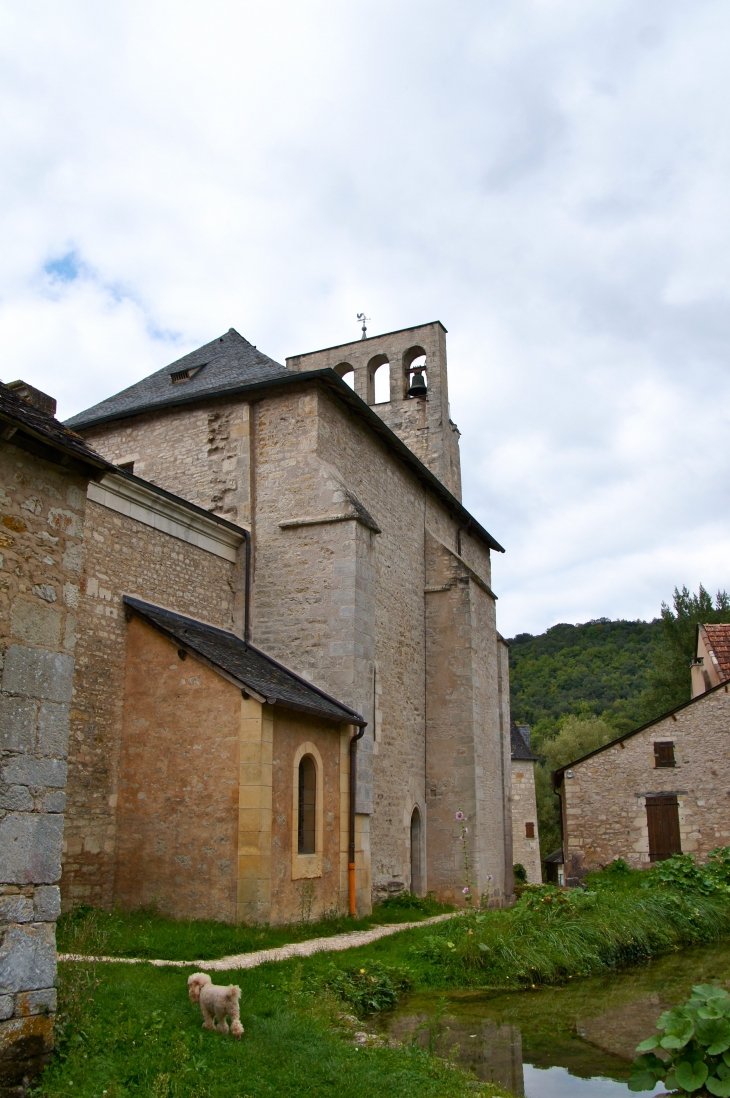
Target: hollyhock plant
[(466, 892)]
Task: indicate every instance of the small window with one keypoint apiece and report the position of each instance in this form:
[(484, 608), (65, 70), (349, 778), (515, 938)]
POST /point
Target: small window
[(185, 375), (529, 831), (306, 823), (664, 753)]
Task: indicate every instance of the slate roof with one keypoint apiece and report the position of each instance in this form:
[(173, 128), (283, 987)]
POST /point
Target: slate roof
[(24, 424), (227, 363), (719, 638), (520, 743), (246, 664)]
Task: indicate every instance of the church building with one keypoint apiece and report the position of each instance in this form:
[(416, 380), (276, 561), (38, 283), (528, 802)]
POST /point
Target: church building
[(288, 677)]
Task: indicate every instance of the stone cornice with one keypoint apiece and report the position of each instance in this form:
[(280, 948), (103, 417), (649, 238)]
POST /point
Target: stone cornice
[(170, 514)]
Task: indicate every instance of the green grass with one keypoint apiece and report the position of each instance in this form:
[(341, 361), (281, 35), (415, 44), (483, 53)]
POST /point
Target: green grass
[(132, 1031), (142, 1037), (146, 933)]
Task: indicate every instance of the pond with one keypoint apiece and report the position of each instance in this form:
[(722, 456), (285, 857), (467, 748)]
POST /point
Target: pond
[(572, 1041)]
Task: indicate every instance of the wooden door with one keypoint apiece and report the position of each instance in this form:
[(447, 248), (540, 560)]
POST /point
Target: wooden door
[(662, 817)]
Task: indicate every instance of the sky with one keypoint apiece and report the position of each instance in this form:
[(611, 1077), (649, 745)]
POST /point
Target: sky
[(549, 178)]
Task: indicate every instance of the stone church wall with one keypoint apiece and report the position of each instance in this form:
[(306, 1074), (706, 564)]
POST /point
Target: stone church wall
[(41, 529), (524, 811), (123, 556)]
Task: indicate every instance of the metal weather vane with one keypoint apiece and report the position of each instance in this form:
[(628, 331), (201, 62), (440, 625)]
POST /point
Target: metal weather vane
[(364, 321)]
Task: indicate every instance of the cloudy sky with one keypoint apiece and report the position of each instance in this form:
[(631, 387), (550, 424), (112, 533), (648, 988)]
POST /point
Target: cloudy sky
[(549, 178)]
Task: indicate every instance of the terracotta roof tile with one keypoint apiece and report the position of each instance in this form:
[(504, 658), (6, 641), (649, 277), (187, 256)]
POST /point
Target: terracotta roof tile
[(719, 638)]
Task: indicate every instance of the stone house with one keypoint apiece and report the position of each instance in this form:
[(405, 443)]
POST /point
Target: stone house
[(525, 837), (44, 473), (282, 506), (659, 790), (711, 663)]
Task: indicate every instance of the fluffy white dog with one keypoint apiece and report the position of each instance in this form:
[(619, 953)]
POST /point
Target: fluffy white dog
[(216, 1002)]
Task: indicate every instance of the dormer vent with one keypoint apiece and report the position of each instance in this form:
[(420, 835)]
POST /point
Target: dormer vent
[(185, 375)]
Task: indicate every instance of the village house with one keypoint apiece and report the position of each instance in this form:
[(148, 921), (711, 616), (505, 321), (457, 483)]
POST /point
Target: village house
[(289, 678), (662, 789), (44, 473), (525, 837)]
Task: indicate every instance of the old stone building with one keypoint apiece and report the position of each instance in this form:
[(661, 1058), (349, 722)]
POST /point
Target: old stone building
[(525, 837), (281, 506), (44, 472), (660, 790), (711, 663)]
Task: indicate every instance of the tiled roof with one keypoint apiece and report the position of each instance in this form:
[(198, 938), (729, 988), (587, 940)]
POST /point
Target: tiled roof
[(246, 664), (226, 363), (520, 743), (719, 638), (21, 421)]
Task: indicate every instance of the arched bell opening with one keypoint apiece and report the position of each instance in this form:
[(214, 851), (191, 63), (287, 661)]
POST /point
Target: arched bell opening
[(416, 853), (379, 380), (415, 373), (347, 373)]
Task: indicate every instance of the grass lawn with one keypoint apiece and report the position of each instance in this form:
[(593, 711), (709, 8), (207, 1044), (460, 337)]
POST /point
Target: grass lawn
[(145, 933), (128, 1031)]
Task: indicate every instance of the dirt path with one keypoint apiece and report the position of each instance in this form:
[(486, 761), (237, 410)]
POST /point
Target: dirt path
[(281, 953)]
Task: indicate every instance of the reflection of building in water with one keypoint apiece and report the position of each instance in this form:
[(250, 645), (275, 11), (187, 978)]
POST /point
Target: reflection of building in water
[(492, 1052)]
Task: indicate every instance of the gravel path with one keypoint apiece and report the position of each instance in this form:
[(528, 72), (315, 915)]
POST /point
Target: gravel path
[(281, 953)]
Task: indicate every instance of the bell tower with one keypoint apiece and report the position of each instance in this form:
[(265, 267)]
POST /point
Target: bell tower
[(402, 375)]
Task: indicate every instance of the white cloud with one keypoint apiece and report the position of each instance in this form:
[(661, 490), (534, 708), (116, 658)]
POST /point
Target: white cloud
[(547, 177)]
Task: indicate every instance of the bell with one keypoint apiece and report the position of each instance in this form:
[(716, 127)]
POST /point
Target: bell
[(418, 386)]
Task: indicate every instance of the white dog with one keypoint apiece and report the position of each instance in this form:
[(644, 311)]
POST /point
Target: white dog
[(216, 1002)]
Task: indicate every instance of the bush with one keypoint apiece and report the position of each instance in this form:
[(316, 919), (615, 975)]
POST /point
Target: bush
[(367, 990), (520, 874), (697, 1040), (682, 871)]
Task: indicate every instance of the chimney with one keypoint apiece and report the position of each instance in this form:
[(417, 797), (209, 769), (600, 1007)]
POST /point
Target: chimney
[(42, 401)]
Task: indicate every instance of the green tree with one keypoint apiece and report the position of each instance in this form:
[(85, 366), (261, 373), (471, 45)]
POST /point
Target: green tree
[(670, 678), (577, 737)]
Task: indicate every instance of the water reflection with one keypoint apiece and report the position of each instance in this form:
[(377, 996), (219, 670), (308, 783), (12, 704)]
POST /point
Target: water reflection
[(578, 1039)]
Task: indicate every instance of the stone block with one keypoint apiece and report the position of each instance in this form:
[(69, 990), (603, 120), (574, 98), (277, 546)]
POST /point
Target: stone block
[(30, 848), (7, 1007), (38, 674), (35, 1002), (25, 770), (15, 798), (27, 958), (17, 723), (53, 720), (47, 903), (53, 802), (35, 622), (25, 1048), (16, 909)]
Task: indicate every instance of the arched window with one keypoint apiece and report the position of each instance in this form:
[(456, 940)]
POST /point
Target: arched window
[(347, 373), (307, 806), (415, 368), (379, 380), (416, 880)]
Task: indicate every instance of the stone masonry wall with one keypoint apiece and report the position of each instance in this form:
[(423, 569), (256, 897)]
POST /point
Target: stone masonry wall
[(41, 530), (123, 556), (604, 803), (340, 603), (526, 851), (177, 811)]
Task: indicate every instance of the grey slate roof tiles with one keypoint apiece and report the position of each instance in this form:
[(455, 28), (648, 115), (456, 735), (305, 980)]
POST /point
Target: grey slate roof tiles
[(44, 428), (225, 363), (520, 743), (246, 664)]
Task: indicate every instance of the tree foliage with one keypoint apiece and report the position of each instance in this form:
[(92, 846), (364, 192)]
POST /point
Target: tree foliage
[(669, 680)]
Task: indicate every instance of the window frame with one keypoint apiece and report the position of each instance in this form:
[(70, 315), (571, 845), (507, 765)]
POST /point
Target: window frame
[(660, 757), (307, 865)]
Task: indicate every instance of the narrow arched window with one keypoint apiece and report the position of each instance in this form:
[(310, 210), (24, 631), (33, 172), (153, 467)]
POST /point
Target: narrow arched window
[(307, 814), (416, 881)]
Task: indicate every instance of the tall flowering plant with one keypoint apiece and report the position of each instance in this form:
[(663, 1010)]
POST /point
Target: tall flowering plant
[(467, 890)]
